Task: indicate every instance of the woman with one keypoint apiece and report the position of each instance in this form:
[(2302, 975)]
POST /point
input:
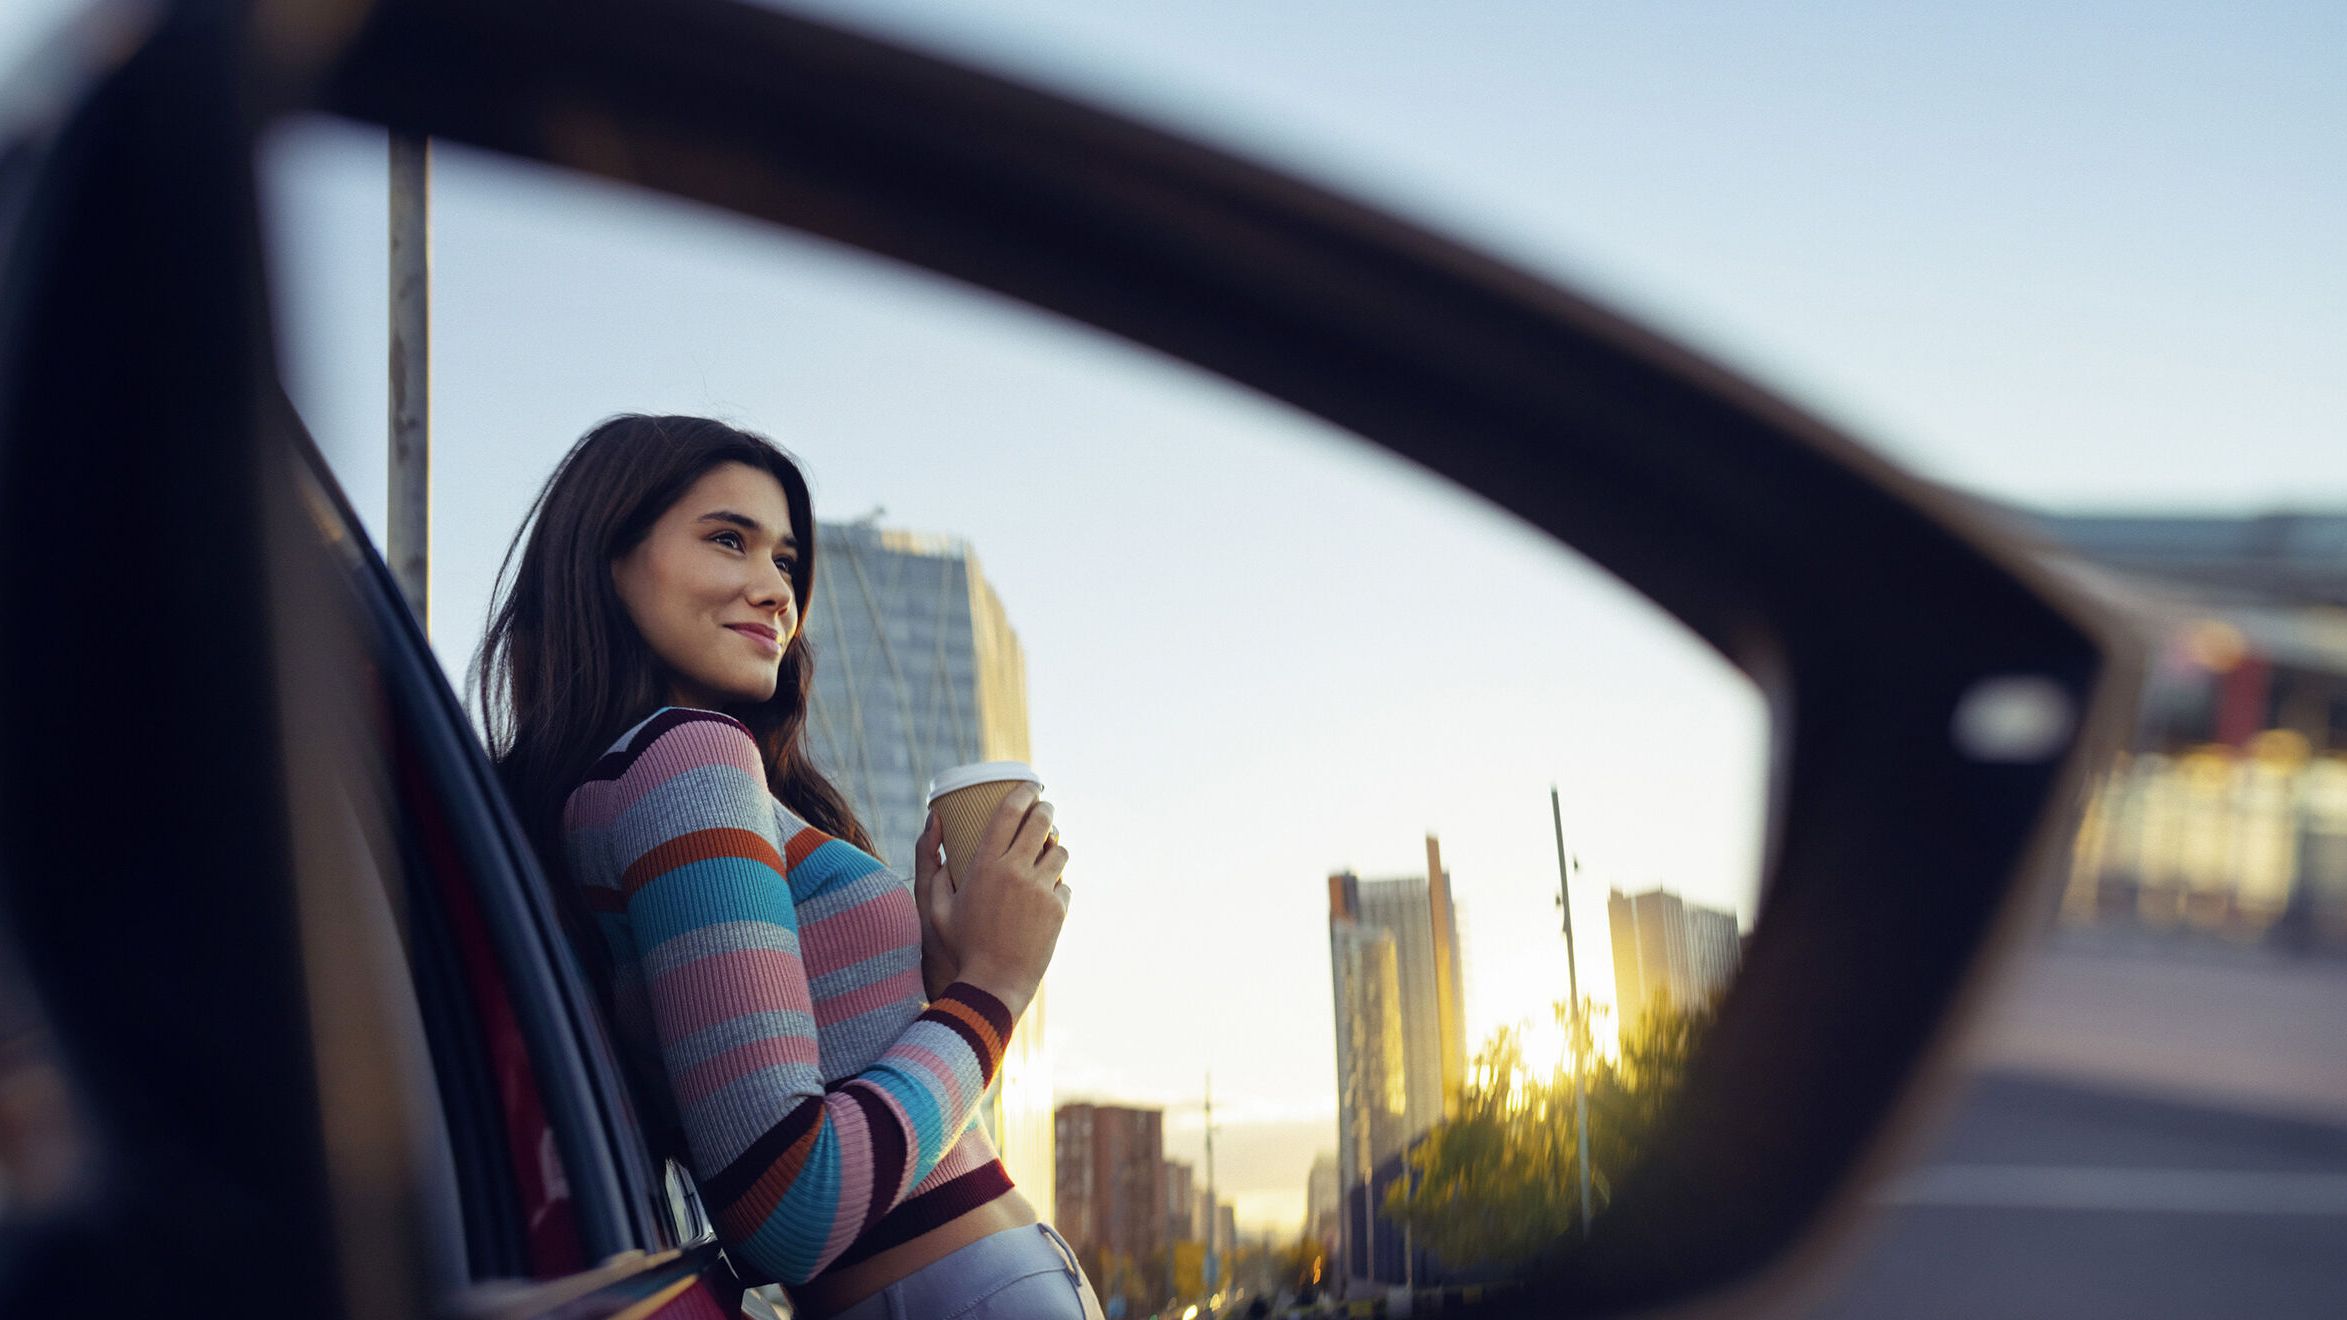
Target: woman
[(810, 1034)]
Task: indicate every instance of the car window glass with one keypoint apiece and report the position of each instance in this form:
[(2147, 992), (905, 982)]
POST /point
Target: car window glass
[(1300, 706)]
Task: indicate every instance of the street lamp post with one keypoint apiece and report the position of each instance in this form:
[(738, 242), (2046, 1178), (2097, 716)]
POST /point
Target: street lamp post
[(410, 538), (1213, 1262), (1573, 1034)]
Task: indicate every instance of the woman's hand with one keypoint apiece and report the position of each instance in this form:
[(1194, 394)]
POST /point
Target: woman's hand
[(998, 925), (939, 966)]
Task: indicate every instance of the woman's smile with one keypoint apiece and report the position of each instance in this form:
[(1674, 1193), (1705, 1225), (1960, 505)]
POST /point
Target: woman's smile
[(761, 634)]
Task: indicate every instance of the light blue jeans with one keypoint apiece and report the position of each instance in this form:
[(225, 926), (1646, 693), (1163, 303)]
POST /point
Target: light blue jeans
[(1026, 1273)]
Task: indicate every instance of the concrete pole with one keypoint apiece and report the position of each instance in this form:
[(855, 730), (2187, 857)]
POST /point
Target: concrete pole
[(1213, 1261), (409, 546), (1556, 815)]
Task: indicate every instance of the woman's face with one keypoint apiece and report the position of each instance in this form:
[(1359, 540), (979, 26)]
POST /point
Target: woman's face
[(710, 587)]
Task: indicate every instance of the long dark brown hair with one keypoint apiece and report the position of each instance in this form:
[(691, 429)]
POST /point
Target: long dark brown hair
[(562, 670)]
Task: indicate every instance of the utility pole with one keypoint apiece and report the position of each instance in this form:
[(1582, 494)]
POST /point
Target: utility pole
[(1573, 1033), (410, 539), (1213, 1207)]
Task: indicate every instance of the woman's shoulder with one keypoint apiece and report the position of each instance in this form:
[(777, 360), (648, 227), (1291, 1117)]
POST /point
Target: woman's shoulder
[(671, 741), (652, 727)]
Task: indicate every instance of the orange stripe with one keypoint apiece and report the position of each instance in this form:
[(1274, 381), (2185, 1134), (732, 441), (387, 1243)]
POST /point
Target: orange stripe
[(652, 1305), (803, 844), (753, 1207), (976, 1019), (699, 846)]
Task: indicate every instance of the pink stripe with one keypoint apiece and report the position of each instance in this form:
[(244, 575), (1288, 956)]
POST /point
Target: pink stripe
[(864, 917), (902, 988), (723, 986), (687, 747), (949, 1083), (854, 1135), (711, 1075)]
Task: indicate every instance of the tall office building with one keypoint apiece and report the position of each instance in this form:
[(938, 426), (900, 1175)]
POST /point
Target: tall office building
[(1715, 949), (1111, 1195), (1668, 950), (917, 670), (1423, 922), (1372, 1093), (1400, 1035), (1322, 1204), (1181, 1202)]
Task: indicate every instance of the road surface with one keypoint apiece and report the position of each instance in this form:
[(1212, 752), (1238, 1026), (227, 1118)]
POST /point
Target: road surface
[(2150, 1131)]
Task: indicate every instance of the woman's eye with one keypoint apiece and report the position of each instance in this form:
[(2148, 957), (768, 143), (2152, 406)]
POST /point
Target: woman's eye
[(789, 567), (730, 540)]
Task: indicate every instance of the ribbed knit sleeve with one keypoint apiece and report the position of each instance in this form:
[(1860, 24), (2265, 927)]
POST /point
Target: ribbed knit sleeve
[(702, 863)]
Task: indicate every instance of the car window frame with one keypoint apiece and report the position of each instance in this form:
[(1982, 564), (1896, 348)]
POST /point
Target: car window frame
[(1729, 508)]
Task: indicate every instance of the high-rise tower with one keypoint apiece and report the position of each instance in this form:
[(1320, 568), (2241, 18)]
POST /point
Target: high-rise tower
[(1668, 951), (1400, 1037)]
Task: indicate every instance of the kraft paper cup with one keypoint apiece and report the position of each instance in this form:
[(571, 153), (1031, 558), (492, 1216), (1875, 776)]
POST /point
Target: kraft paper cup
[(965, 799)]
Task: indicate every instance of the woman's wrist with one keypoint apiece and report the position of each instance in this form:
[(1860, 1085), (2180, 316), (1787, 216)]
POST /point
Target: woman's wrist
[(1014, 991)]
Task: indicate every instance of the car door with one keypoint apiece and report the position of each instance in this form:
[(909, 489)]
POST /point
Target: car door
[(343, 1030)]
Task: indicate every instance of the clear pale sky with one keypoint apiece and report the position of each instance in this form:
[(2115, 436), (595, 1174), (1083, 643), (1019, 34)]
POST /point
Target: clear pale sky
[(2088, 260)]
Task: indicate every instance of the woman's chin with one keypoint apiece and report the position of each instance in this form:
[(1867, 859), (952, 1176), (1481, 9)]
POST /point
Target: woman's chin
[(751, 694)]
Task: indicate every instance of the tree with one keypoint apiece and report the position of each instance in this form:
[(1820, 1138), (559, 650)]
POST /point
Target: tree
[(1494, 1182), (1497, 1181)]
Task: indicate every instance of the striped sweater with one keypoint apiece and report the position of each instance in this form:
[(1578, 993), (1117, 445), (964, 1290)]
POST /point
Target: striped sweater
[(772, 974)]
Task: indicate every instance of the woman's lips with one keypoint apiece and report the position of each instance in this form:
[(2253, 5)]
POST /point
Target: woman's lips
[(763, 637)]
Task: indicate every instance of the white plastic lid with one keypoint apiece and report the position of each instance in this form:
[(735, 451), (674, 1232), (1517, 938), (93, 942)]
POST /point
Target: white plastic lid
[(983, 772)]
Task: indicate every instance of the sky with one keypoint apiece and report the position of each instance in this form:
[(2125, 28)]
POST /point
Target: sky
[(2086, 260)]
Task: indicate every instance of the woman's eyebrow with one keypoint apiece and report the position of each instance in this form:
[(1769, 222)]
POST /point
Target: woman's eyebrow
[(746, 523)]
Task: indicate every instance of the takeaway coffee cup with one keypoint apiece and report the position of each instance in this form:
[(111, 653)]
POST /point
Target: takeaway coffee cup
[(964, 799)]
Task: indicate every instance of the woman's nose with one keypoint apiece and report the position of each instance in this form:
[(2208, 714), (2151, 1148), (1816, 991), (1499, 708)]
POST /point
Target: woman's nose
[(772, 588)]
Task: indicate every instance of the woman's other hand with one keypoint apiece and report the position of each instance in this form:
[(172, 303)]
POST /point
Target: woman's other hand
[(939, 967), (999, 924)]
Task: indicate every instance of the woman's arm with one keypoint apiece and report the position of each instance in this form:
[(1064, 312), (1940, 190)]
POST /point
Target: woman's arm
[(793, 1171)]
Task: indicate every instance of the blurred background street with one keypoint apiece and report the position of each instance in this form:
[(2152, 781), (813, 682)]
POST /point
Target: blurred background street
[(2151, 1127)]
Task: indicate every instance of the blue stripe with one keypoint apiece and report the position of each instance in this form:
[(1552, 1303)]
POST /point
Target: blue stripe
[(704, 893), (793, 1236), (882, 884), (837, 862), (908, 1085)]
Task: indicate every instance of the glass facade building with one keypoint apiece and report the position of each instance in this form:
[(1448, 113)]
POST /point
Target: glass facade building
[(1400, 1042), (1669, 951)]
